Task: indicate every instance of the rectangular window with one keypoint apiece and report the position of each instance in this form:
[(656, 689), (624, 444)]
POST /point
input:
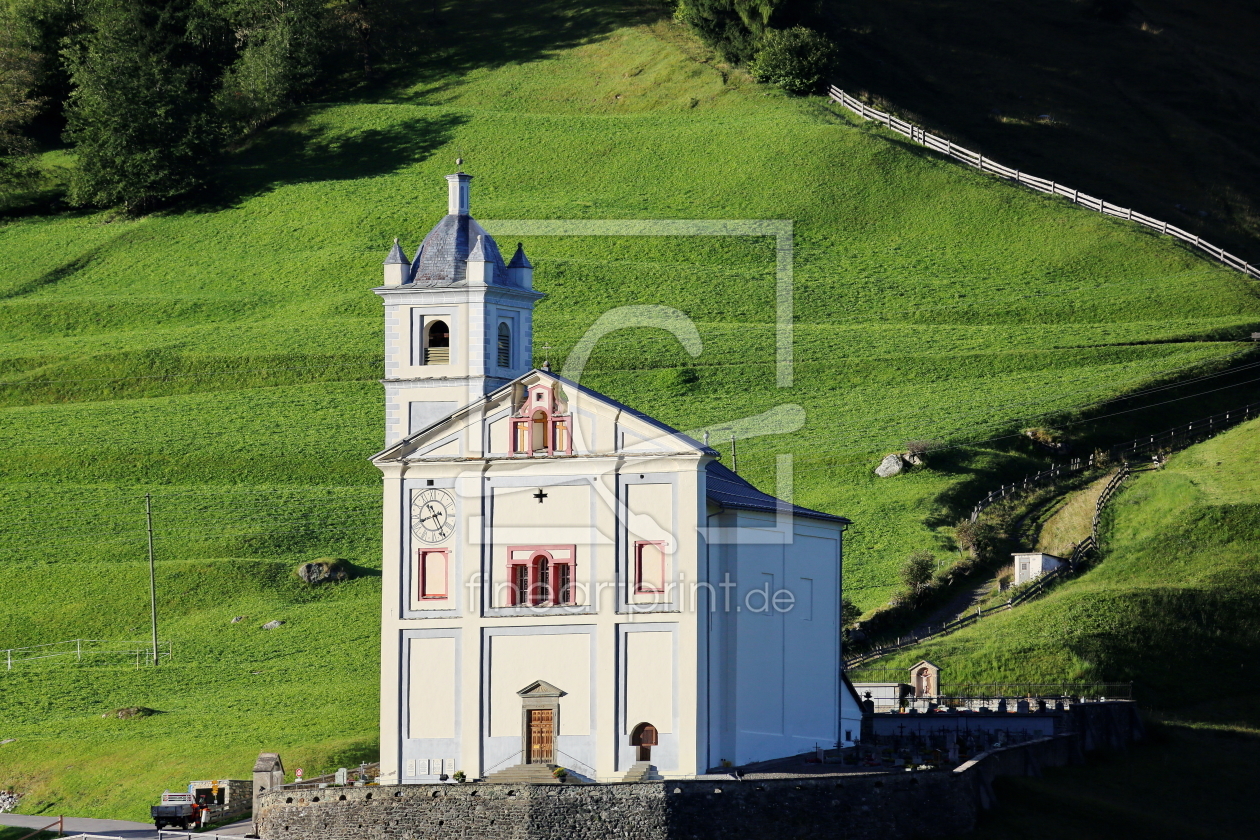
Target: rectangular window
[(564, 583), (520, 437), (649, 567), (561, 431), (520, 585), (433, 574)]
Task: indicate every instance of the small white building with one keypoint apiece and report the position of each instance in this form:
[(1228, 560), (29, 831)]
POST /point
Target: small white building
[(1034, 564), (568, 581)]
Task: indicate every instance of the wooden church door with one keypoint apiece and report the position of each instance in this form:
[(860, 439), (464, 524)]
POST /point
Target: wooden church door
[(541, 736)]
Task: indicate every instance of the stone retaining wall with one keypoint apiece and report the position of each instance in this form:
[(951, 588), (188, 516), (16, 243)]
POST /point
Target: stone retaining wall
[(875, 806), (869, 806)]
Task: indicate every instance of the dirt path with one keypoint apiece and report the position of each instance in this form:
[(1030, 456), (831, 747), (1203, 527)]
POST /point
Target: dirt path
[(964, 602)]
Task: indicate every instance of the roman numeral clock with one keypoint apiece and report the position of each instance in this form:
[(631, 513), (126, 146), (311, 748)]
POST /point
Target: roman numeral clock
[(432, 516)]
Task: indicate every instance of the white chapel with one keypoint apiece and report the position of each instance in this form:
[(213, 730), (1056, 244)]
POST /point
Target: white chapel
[(567, 581)]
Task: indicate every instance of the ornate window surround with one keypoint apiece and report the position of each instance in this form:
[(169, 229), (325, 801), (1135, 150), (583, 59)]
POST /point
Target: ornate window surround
[(532, 590)]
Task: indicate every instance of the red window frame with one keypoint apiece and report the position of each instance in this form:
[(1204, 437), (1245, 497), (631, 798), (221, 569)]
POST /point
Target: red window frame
[(534, 586), (422, 574), (639, 585)]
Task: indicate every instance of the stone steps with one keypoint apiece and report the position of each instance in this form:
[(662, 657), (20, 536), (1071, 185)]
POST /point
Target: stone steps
[(524, 774), (642, 771)]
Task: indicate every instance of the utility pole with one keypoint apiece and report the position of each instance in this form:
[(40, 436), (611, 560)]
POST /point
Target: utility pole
[(148, 517), (734, 457)]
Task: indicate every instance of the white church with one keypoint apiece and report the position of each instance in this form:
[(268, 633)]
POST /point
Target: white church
[(567, 581)]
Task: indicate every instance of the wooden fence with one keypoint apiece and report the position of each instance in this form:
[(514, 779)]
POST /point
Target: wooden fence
[(1178, 437), (979, 161)]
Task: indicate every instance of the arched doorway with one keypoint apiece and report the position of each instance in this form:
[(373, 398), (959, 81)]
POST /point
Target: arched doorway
[(644, 737), (437, 346), (539, 431)]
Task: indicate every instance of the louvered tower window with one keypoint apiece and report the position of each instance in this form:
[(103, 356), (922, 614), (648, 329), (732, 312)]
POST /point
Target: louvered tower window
[(505, 346), (437, 349)]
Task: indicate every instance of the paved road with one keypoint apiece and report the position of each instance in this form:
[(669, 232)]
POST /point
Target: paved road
[(113, 828), (77, 825)]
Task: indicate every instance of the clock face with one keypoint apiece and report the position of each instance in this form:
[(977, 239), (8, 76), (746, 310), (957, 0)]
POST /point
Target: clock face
[(432, 515)]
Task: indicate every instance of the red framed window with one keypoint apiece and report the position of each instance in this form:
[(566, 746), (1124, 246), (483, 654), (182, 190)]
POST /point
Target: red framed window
[(649, 566), (541, 577), (433, 574)]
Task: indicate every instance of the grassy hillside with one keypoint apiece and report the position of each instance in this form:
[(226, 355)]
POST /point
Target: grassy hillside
[(225, 358), (1173, 605)]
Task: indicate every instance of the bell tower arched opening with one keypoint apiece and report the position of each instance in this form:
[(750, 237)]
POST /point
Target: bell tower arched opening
[(437, 344)]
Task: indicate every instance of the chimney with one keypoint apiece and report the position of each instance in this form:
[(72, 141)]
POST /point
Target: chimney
[(458, 188)]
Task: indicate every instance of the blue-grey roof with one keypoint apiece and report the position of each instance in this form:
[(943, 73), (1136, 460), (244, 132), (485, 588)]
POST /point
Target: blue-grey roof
[(729, 490), (444, 253), (397, 256), (519, 260)]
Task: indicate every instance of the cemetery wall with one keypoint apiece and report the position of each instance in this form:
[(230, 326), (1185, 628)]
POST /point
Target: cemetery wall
[(877, 806), (868, 806)]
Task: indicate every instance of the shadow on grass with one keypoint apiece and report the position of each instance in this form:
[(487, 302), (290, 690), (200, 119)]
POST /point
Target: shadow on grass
[(298, 153), (487, 34), (455, 39), (976, 473)]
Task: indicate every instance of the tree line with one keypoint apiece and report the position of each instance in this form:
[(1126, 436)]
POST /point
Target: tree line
[(777, 40), (149, 93)]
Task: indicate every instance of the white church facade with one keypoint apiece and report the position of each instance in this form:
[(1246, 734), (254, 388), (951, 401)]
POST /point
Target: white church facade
[(568, 581)]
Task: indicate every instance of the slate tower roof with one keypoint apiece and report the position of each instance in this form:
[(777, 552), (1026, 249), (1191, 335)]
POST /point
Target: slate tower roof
[(443, 257)]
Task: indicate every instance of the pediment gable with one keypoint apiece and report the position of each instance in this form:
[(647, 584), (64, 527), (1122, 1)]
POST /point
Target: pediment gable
[(540, 688), (542, 415)]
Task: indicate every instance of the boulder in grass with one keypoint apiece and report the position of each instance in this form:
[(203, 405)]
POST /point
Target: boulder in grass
[(129, 712), (272, 625), (893, 464), (238, 619), (324, 570)]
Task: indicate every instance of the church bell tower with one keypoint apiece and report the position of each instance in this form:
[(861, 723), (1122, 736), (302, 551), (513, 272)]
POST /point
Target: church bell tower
[(458, 319)]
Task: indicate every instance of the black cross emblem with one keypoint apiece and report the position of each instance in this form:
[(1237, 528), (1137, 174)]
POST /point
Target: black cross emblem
[(540, 495)]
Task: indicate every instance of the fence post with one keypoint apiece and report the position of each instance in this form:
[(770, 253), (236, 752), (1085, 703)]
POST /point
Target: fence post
[(78, 650)]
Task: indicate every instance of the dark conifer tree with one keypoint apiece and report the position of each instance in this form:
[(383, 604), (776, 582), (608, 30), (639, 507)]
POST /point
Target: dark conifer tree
[(142, 114)]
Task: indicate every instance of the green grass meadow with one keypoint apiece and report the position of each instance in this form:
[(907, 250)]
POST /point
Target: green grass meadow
[(225, 358)]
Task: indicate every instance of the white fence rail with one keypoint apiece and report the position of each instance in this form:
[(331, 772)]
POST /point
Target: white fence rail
[(979, 161), (80, 649)]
